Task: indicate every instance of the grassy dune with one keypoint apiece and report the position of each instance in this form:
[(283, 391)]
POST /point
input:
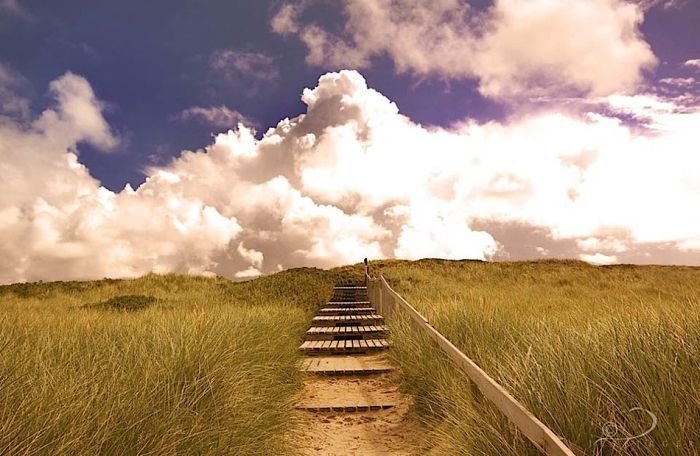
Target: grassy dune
[(579, 345), (158, 365), (182, 365)]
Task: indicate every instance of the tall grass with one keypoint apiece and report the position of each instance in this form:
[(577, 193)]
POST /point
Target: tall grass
[(204, 366), (183, 365), (579, 345)]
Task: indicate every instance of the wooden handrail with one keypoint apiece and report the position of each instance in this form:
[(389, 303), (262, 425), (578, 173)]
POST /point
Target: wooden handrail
[(536, 431)]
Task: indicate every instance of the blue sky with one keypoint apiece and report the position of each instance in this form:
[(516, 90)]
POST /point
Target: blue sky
[(151, 60), (169, 76)]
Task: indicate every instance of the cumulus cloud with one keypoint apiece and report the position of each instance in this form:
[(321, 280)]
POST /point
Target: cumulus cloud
[(57, 222), (514, 48), (350, 178), (218, 116)]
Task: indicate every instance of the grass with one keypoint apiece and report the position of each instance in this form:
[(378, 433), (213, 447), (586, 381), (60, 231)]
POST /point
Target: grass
[(578, 345), (158, 365), (169, 365)]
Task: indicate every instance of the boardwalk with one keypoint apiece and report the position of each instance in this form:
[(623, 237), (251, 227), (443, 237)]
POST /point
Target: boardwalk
[(350, 403)]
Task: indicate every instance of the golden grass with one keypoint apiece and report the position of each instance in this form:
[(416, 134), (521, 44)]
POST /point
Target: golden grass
[(207, 367), (579, 345)]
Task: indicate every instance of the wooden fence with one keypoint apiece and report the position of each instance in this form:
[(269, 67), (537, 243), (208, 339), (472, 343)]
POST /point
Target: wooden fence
[(388, 302)]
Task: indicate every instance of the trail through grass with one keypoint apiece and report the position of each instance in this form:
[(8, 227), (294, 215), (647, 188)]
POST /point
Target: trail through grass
[(183, 365)]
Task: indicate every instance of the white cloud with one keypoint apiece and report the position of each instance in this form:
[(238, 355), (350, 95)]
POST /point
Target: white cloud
[(249, 273), (80, 112), (11, 84), (348, 179), (243, 66), (253, 256), (679, 82), (56, 222), (665, 4), (515, 48), (218, 116), (693, 63), (285, 20), (599, 259)]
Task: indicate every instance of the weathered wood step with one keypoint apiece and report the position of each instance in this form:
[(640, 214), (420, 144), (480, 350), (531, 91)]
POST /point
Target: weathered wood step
[(349, 297), (343, 346), (347, 332), (354, 408), (347, 311), (346, 365), (347, 394), (347, 320), (347, 329), (347, 303)]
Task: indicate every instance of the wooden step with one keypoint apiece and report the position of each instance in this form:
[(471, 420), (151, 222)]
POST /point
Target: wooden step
[(347, 320), (346, 365), (347, 303), (343, 346), (346, 332), (347, 295), (347, 329), (347, 311), (362, 407)]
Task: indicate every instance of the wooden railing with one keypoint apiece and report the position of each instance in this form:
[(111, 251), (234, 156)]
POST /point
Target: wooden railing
[(388, 302)]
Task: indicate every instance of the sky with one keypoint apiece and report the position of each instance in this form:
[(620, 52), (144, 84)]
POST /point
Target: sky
[(240, 138)]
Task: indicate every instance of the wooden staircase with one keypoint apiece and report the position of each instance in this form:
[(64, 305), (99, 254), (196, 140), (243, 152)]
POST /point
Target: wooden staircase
[(345, 341), (346, 325)]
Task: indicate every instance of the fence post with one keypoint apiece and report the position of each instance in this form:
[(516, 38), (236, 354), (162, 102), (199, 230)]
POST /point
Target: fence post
[(367, 274)]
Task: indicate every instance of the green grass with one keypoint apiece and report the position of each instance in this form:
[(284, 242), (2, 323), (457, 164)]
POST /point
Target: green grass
[(578, 345), (161, 365)]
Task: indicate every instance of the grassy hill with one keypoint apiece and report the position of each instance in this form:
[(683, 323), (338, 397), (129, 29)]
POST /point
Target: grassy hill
[(184, 365), (157, 365), (579, 345)]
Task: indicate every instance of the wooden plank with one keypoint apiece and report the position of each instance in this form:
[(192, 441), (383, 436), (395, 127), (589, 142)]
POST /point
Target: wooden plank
[(363, 343), (536, 431), (344, 408), (346, 365)]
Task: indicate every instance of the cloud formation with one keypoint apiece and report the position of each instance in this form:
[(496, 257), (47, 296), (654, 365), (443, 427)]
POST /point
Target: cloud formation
[(349, 178), (57, 222), (238, 66), (514, 48), (693, 63), (218, 116)]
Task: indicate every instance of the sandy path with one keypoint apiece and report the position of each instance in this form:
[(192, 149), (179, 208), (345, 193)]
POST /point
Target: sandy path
[(383, 432)]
